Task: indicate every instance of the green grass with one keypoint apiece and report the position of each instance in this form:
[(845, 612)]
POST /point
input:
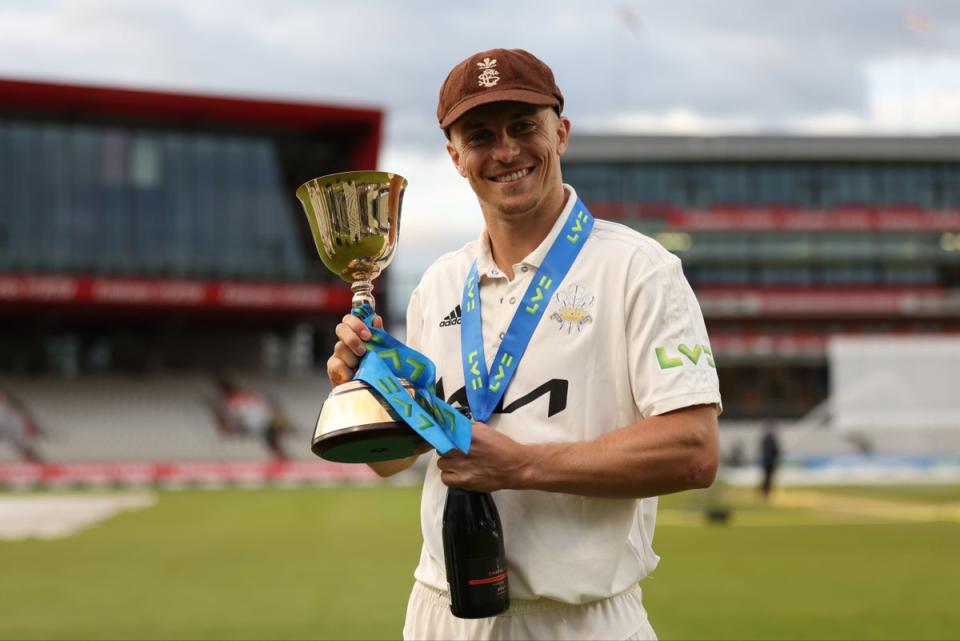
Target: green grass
[(214, 565), (786, 573), (337, 564)]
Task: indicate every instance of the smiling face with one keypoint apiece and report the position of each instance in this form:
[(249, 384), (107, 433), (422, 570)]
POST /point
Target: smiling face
[(510, 153)]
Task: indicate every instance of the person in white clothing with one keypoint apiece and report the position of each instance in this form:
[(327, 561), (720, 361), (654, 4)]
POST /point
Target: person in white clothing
[(615, 399)]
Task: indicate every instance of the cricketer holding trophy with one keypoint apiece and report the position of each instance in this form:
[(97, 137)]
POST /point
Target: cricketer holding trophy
[(584, 359)]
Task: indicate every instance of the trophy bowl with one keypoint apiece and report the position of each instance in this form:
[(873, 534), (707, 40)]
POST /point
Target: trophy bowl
[(354, 218)]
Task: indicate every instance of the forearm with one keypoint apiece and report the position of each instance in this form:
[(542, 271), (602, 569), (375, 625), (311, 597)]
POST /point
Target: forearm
[(395, 466), (660, 455)]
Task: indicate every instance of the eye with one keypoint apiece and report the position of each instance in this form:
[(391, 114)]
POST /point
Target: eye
[(478, 136), (523, 126)]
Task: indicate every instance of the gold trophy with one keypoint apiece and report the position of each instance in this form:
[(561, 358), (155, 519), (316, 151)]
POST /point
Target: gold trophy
[(355, 220)]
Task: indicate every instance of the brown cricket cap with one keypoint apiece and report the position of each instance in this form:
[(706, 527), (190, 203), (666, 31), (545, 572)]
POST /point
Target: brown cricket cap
[(493, 76)]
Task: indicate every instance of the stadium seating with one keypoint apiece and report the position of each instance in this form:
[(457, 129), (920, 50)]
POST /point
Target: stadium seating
[(155, 418), (170, 418)]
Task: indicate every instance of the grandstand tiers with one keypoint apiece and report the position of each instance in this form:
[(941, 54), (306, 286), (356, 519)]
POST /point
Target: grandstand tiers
[(144, 231), (151, 242), (790, 240)]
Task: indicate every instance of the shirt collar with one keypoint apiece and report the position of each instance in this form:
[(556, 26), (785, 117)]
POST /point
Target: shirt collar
[(487, 267)]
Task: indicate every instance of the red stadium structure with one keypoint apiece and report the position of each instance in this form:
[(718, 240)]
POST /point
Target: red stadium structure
[(789, 240), (149, 241)]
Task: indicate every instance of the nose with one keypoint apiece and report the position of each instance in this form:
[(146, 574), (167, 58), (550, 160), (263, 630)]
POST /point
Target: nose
[(506, 149)]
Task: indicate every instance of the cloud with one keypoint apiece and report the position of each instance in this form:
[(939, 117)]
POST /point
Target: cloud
[(440, 212), (926, 112), (678, 120), (686, 64)]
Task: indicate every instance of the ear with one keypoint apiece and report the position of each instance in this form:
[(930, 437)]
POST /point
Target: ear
[(455, 157), (563, 134)]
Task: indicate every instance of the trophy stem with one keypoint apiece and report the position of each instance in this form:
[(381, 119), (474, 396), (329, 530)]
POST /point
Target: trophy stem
[(363, 293)]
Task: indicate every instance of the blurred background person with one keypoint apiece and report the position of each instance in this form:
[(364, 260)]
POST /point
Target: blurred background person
[(18, 427), (769, 456), (240, 411)]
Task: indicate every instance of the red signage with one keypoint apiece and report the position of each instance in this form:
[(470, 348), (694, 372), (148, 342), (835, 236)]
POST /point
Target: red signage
[(142, 292), (786, 218), (839, 219), (181, 473), (718, 302), (778, 345)]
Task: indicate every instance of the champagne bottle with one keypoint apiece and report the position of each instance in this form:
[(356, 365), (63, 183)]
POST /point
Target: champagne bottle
[(474, 554)]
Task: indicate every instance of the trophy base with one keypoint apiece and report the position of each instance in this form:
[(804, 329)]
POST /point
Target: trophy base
[(357, 426)]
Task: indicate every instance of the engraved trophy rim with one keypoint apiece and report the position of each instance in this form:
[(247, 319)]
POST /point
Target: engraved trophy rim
[(354, 218), (340, 175)]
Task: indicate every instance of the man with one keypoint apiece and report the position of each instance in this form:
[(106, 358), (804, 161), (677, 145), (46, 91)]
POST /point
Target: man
[(246, 412), (615, 399), (769, 456)]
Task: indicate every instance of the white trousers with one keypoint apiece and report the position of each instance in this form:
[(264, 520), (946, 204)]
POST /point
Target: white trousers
[(619, 617)]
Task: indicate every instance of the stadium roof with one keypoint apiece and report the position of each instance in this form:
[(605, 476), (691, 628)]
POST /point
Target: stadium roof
[(193, 111), (636, 148)]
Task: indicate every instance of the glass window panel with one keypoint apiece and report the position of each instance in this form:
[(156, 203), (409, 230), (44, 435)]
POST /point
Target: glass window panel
[(601, 182), (950, 176), (85, 228), (709, 246), (846, 246), (179, 199), (903, 246), (235, 211), (910, 275), (6, 208), (723, 275), (150, 230), (27, 231), (789, 276), (849, 275), (785, 246), (117, 199), (56, 196), (208, 170)]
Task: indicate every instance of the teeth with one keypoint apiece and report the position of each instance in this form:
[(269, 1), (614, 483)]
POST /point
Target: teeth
[(517, 175)]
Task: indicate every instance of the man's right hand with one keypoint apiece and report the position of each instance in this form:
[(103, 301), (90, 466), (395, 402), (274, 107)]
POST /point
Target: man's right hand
[(352, 333)]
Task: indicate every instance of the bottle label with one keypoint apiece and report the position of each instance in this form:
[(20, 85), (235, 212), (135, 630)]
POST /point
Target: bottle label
[(486, 572)]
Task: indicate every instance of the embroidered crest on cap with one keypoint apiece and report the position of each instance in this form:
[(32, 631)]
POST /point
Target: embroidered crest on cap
[(489, 76)]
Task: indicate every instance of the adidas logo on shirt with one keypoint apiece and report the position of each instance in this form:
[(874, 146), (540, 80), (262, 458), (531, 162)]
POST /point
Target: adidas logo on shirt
[(453, 318)]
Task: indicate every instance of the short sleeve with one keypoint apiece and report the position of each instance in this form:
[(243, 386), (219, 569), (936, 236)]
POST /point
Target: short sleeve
[(671, 362)]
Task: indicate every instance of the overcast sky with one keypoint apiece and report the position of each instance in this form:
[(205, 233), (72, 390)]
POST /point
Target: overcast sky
[(672, 66)]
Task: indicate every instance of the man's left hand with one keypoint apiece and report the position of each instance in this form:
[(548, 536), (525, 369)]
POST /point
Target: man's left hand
[(495, 462)]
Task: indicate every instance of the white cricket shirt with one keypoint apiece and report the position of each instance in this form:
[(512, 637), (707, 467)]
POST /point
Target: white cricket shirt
[(622, 339)]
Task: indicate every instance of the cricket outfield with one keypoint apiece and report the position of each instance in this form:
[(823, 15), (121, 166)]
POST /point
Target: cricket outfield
[(829, 563)]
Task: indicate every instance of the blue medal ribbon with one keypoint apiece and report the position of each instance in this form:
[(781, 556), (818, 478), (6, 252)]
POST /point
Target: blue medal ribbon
[(386, 360), (485, 389)]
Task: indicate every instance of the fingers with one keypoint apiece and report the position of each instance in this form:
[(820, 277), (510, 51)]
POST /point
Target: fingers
[(448, 470), (338, 371), (449, 479), (448, 460), (352, 333)]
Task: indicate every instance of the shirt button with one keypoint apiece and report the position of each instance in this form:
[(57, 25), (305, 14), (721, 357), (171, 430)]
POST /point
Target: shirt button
[(501, 335), (524, 268), (513, 299)]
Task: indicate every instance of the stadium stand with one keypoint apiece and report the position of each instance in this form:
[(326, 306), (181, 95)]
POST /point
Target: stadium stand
[(157, 418)]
